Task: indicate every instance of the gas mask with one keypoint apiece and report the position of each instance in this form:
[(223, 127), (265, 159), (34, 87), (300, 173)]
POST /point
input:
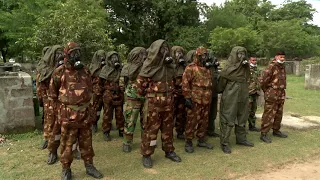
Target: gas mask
[(74, 59), (168, 60), (242, 57), (59, 58), (143, 56), (103, 60), (179, 56), (115, 61)]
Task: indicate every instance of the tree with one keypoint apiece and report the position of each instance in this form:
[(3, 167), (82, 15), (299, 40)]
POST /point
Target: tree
[(300, 10), (222, 40), (82, 22), (290, 37), (139, 23)]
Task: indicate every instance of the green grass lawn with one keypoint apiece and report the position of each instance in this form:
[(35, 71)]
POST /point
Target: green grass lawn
[(20, 157)]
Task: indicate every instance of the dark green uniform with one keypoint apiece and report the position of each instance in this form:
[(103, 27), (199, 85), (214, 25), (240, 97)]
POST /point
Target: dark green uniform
[(233, 83)]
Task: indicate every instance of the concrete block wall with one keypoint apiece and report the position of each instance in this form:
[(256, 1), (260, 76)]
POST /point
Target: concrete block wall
[(312, 77), (16, 103)]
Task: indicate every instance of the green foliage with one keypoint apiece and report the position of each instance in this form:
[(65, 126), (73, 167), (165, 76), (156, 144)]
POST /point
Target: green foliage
[(78, 21), (288, 36), (222, 40)]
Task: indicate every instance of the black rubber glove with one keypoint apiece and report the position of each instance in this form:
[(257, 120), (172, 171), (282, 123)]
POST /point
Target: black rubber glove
[(188, 103)]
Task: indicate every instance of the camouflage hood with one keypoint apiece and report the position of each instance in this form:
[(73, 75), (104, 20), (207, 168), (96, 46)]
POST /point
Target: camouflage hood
[(48, 63), (95, 66), (154, 67), (179, 69), (234, 69), (132, 69), (109, 72)]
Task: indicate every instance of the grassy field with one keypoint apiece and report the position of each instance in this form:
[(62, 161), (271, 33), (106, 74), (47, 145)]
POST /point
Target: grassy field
[(21, 158)]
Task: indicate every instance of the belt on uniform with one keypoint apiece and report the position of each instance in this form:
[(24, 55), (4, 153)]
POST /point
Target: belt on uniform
[(165, 94), (82, 107), (202, 88)]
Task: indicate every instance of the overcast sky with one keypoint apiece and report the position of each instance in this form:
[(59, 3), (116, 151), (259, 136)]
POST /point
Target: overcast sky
[(315, 4)]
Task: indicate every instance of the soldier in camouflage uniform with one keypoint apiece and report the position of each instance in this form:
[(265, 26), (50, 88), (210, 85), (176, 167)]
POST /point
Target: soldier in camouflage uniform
[(45, 68), (98, 61), (71, 86), (113, 94), (197, 89), (233, 83), (180, 115), (134, 102), (155, 81), (214, 101), (273, 83), (254, 88)]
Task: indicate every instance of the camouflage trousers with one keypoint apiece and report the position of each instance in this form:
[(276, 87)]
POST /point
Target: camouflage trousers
[(132, 110), (97, 107), (75, 125), (272, 116), (49, 117), (180, 114), (252, 110), (110, 106), (197, 121), (158, 117), (213, 115)]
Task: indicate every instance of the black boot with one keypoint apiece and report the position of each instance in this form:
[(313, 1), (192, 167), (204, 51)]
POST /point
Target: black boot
[(66, 174), (52, 158), (213, 134), (180, 136), (202, 143), (106, 136), (44, 145), (126, 148), (173, 156), (147, 161), (253, 128), (279, 134), (188, 146), (120, 133), (265, 138), (76, 154), (92, 171), (94, 127), (245, 143), (226, 149)]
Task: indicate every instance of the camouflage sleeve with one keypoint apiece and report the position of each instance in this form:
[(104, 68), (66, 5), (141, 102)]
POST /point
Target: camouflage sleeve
[(96, 86), (55, 84), (122, 83), (41, 89), (142, 85), (266, 77), (186, 82)]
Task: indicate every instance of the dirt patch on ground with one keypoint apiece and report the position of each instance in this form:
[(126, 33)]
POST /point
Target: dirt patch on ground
[(303, 171)]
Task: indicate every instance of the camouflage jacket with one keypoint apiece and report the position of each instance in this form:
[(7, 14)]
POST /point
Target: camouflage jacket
[(273, 82), (131, 90), (96, 86), (177, 86), (150, 88), (113, 86), (254, 84), (70, 86), (42, 88), (197, 84)]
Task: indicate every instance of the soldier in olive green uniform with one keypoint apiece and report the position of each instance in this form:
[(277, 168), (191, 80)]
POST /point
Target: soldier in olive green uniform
[(254, 88), (233, 83), (214, 101)]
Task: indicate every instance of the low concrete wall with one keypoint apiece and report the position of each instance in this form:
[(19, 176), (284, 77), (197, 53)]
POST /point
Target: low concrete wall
[(16, 103), (312, 77)]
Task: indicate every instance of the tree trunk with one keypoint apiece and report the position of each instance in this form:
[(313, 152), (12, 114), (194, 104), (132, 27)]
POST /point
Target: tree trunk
[(4, 55)]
